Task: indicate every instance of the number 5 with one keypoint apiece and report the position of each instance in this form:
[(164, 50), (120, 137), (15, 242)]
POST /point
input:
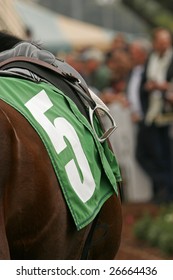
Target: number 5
[(61, 128)]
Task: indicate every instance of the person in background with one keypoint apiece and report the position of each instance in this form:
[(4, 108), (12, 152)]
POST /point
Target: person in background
[(120, 67), (91, 59), (122, 140), (138, 51), (118, 42), (73, 58), (153, 143)]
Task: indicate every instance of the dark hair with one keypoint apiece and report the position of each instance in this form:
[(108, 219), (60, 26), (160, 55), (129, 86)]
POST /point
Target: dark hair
[(7, 40)]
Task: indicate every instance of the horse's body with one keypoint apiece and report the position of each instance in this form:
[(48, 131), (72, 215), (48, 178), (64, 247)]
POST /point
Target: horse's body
[(35, 222)]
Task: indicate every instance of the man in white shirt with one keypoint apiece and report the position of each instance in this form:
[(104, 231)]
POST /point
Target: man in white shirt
[(153, 149), (138, 52)]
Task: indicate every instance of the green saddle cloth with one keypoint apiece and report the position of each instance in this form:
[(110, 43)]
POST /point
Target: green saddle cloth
[(86, 169)]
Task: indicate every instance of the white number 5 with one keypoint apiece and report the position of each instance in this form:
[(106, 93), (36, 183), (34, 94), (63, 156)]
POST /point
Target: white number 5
[(61, 128)]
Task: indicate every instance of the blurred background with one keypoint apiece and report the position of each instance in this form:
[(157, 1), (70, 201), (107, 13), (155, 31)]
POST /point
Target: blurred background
[(48, 19), (91, 21), (110, 42)]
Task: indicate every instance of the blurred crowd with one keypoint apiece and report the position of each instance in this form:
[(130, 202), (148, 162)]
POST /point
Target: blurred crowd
[(135, 80)]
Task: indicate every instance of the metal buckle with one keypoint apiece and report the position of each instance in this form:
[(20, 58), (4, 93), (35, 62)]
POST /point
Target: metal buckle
[(110, 130)]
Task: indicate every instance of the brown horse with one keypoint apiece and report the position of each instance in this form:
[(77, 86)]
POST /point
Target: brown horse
[(35, 222)]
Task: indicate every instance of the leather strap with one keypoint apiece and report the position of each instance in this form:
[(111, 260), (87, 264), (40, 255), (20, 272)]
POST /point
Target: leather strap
[(74, 81)]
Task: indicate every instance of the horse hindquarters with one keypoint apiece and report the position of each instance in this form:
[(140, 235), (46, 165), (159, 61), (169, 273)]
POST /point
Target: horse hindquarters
[(4, 249), (34, 217), (35, 222), (107, 235), (5, 166)]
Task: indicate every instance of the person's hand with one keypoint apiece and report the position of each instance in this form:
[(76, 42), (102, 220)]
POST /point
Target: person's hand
[(163, 86), (107, 97), (151, 85), (135, 117), (123, 100)]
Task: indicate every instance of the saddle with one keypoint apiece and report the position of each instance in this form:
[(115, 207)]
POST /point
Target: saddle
[(26, 55)]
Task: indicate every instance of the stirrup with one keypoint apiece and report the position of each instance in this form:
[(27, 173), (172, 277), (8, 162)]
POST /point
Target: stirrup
[(110, 130)]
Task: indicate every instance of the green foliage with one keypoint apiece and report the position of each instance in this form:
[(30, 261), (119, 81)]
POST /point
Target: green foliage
[(166, 242), (142, 226), (154, 232), (164, 19), (157, 231), (156, 13)]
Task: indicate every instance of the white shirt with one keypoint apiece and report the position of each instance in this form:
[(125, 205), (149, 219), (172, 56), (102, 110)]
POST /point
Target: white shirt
[(133, 93)]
